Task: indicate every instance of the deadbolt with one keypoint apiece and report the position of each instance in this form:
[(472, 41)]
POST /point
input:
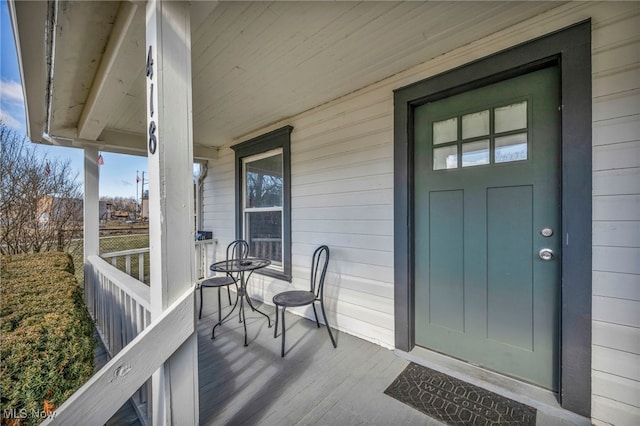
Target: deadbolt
[(545, 254), (546, 232)]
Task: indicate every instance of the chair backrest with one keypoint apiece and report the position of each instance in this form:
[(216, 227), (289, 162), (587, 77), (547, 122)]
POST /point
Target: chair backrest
[(319, 264), (238, 249)]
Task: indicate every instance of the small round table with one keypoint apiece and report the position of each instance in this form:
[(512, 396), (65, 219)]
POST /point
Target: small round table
[(240, 266)]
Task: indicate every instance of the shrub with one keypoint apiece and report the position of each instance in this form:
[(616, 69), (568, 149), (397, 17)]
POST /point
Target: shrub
[(47, 336)]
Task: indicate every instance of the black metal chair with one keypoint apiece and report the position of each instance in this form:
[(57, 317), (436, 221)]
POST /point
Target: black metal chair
[(295, 298), (238, 249)]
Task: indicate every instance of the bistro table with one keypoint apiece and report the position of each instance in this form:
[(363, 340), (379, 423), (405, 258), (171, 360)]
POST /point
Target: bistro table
[(240, 266)]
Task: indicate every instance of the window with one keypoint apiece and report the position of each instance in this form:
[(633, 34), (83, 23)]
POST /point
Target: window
[(496, 135), (263, 199)]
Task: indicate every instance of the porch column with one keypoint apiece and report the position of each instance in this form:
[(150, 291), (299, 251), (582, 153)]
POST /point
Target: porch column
[(171, 227), (91, 210)]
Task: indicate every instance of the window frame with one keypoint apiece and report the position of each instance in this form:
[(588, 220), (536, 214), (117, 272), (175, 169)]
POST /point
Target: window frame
[(276, 139)]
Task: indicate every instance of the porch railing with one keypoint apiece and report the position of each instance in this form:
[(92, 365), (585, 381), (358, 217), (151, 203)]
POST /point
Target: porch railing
[(266, 248), (131, 367), (120, 306), (135, 262)]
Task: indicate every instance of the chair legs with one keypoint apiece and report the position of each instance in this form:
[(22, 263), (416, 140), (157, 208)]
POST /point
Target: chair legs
[(313, 305), (283, 331), (219, 305), (275, 330), (200, 314), (326, 322)]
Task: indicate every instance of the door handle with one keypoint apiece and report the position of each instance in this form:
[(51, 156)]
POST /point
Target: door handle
[(545, 254)]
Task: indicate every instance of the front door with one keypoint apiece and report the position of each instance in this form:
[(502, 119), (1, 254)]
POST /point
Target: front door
[(487, 226)]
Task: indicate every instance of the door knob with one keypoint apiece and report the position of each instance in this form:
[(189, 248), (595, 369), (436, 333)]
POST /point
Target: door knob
[(545, 254)]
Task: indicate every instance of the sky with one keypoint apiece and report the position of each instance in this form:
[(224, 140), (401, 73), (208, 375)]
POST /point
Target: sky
[(117, 174)]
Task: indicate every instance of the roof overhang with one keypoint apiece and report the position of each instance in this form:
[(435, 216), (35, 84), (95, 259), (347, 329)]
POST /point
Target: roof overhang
[(254, 63)]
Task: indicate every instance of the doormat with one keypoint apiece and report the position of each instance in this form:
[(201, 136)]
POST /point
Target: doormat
[(455, 402)]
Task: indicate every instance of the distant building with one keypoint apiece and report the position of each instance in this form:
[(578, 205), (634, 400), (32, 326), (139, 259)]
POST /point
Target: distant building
[(144, 207), (52, 209), (105, 210)]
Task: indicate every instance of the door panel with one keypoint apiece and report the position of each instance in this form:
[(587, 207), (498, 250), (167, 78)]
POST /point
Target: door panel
[(486, 183), (446, 261)]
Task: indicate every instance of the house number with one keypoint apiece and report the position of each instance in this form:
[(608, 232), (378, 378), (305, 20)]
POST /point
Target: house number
[(153, 140)]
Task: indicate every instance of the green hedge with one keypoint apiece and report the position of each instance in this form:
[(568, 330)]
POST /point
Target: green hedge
[(47, 340)]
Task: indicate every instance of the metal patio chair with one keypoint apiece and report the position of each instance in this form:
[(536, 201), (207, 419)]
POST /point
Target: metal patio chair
[(238, 249), (295, 298)]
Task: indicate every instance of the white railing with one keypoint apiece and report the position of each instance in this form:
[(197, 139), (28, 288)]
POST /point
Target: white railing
[(140, 253), (120, 306), (204, 255), (98, 399), (266, 248)]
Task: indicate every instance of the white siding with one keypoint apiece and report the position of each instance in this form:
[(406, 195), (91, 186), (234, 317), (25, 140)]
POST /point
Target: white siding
[(342, 190), (616, 234)]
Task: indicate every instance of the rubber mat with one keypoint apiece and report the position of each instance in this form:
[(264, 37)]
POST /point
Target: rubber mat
[(456, 402)]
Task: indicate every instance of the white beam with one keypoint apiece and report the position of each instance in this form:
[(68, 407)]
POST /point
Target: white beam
[(91, 207), (171, 227), (120, 65), (29, 21)]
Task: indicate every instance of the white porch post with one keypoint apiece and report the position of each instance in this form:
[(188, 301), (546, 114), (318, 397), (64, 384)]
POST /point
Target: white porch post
[(91, 209), (171, 227)]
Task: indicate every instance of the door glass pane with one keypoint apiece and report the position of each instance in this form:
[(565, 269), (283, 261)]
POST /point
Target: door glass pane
[(511, 148), (445, 131), (264, 182), (475, 153), (511, 117), (476, 124), (264, 235), (445, 157)]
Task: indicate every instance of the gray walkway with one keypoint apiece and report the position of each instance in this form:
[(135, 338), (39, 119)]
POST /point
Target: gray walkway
[(314, 384)]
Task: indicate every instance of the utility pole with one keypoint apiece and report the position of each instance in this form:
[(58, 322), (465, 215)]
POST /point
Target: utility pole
[(138, 204)]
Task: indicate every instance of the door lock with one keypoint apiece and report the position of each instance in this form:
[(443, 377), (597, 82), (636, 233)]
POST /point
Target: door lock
[(545, 254)]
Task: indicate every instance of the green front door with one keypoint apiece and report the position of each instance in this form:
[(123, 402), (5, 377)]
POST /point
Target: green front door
[(487, 226)]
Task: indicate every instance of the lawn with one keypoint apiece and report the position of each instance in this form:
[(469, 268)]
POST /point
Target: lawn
[(111, 244)]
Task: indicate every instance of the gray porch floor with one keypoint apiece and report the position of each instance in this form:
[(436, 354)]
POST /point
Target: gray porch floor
[(314, 384)]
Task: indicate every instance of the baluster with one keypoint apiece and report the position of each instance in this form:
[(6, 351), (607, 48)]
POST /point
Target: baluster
[(141, 267)]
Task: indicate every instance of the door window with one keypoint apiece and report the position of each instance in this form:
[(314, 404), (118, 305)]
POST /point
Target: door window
[(488, 136)]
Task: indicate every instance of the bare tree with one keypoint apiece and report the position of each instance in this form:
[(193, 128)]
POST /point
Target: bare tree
[(41, 204)]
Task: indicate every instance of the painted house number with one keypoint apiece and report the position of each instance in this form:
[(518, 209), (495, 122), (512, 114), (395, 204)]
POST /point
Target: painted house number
[(153, 141)]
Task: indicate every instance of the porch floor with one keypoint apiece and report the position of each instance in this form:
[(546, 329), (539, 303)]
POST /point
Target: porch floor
[(314, 384)]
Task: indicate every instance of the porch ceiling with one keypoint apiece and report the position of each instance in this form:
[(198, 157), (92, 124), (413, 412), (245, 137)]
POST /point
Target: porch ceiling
[(254, 63)]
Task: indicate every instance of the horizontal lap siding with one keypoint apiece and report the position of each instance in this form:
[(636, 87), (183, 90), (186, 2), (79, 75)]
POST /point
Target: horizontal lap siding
[(342, 195), (616, 216)]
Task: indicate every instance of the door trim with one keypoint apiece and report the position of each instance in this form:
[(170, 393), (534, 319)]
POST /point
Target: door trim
[(570, 49)]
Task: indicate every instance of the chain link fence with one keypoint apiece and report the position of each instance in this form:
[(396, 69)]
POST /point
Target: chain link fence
[(113, 238)]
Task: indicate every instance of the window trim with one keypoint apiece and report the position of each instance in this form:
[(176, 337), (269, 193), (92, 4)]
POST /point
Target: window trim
[(279, 138)]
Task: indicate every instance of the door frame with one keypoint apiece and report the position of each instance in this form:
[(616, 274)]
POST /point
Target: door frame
[(570, 50)]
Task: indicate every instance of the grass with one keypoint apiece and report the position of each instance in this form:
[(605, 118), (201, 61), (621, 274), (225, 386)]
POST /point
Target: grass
[(110, 244)]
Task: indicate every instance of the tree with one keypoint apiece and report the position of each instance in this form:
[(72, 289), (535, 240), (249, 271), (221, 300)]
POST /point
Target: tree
[(41, 203)]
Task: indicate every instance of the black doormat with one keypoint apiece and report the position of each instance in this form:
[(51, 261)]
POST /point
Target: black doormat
[(455, 402)]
